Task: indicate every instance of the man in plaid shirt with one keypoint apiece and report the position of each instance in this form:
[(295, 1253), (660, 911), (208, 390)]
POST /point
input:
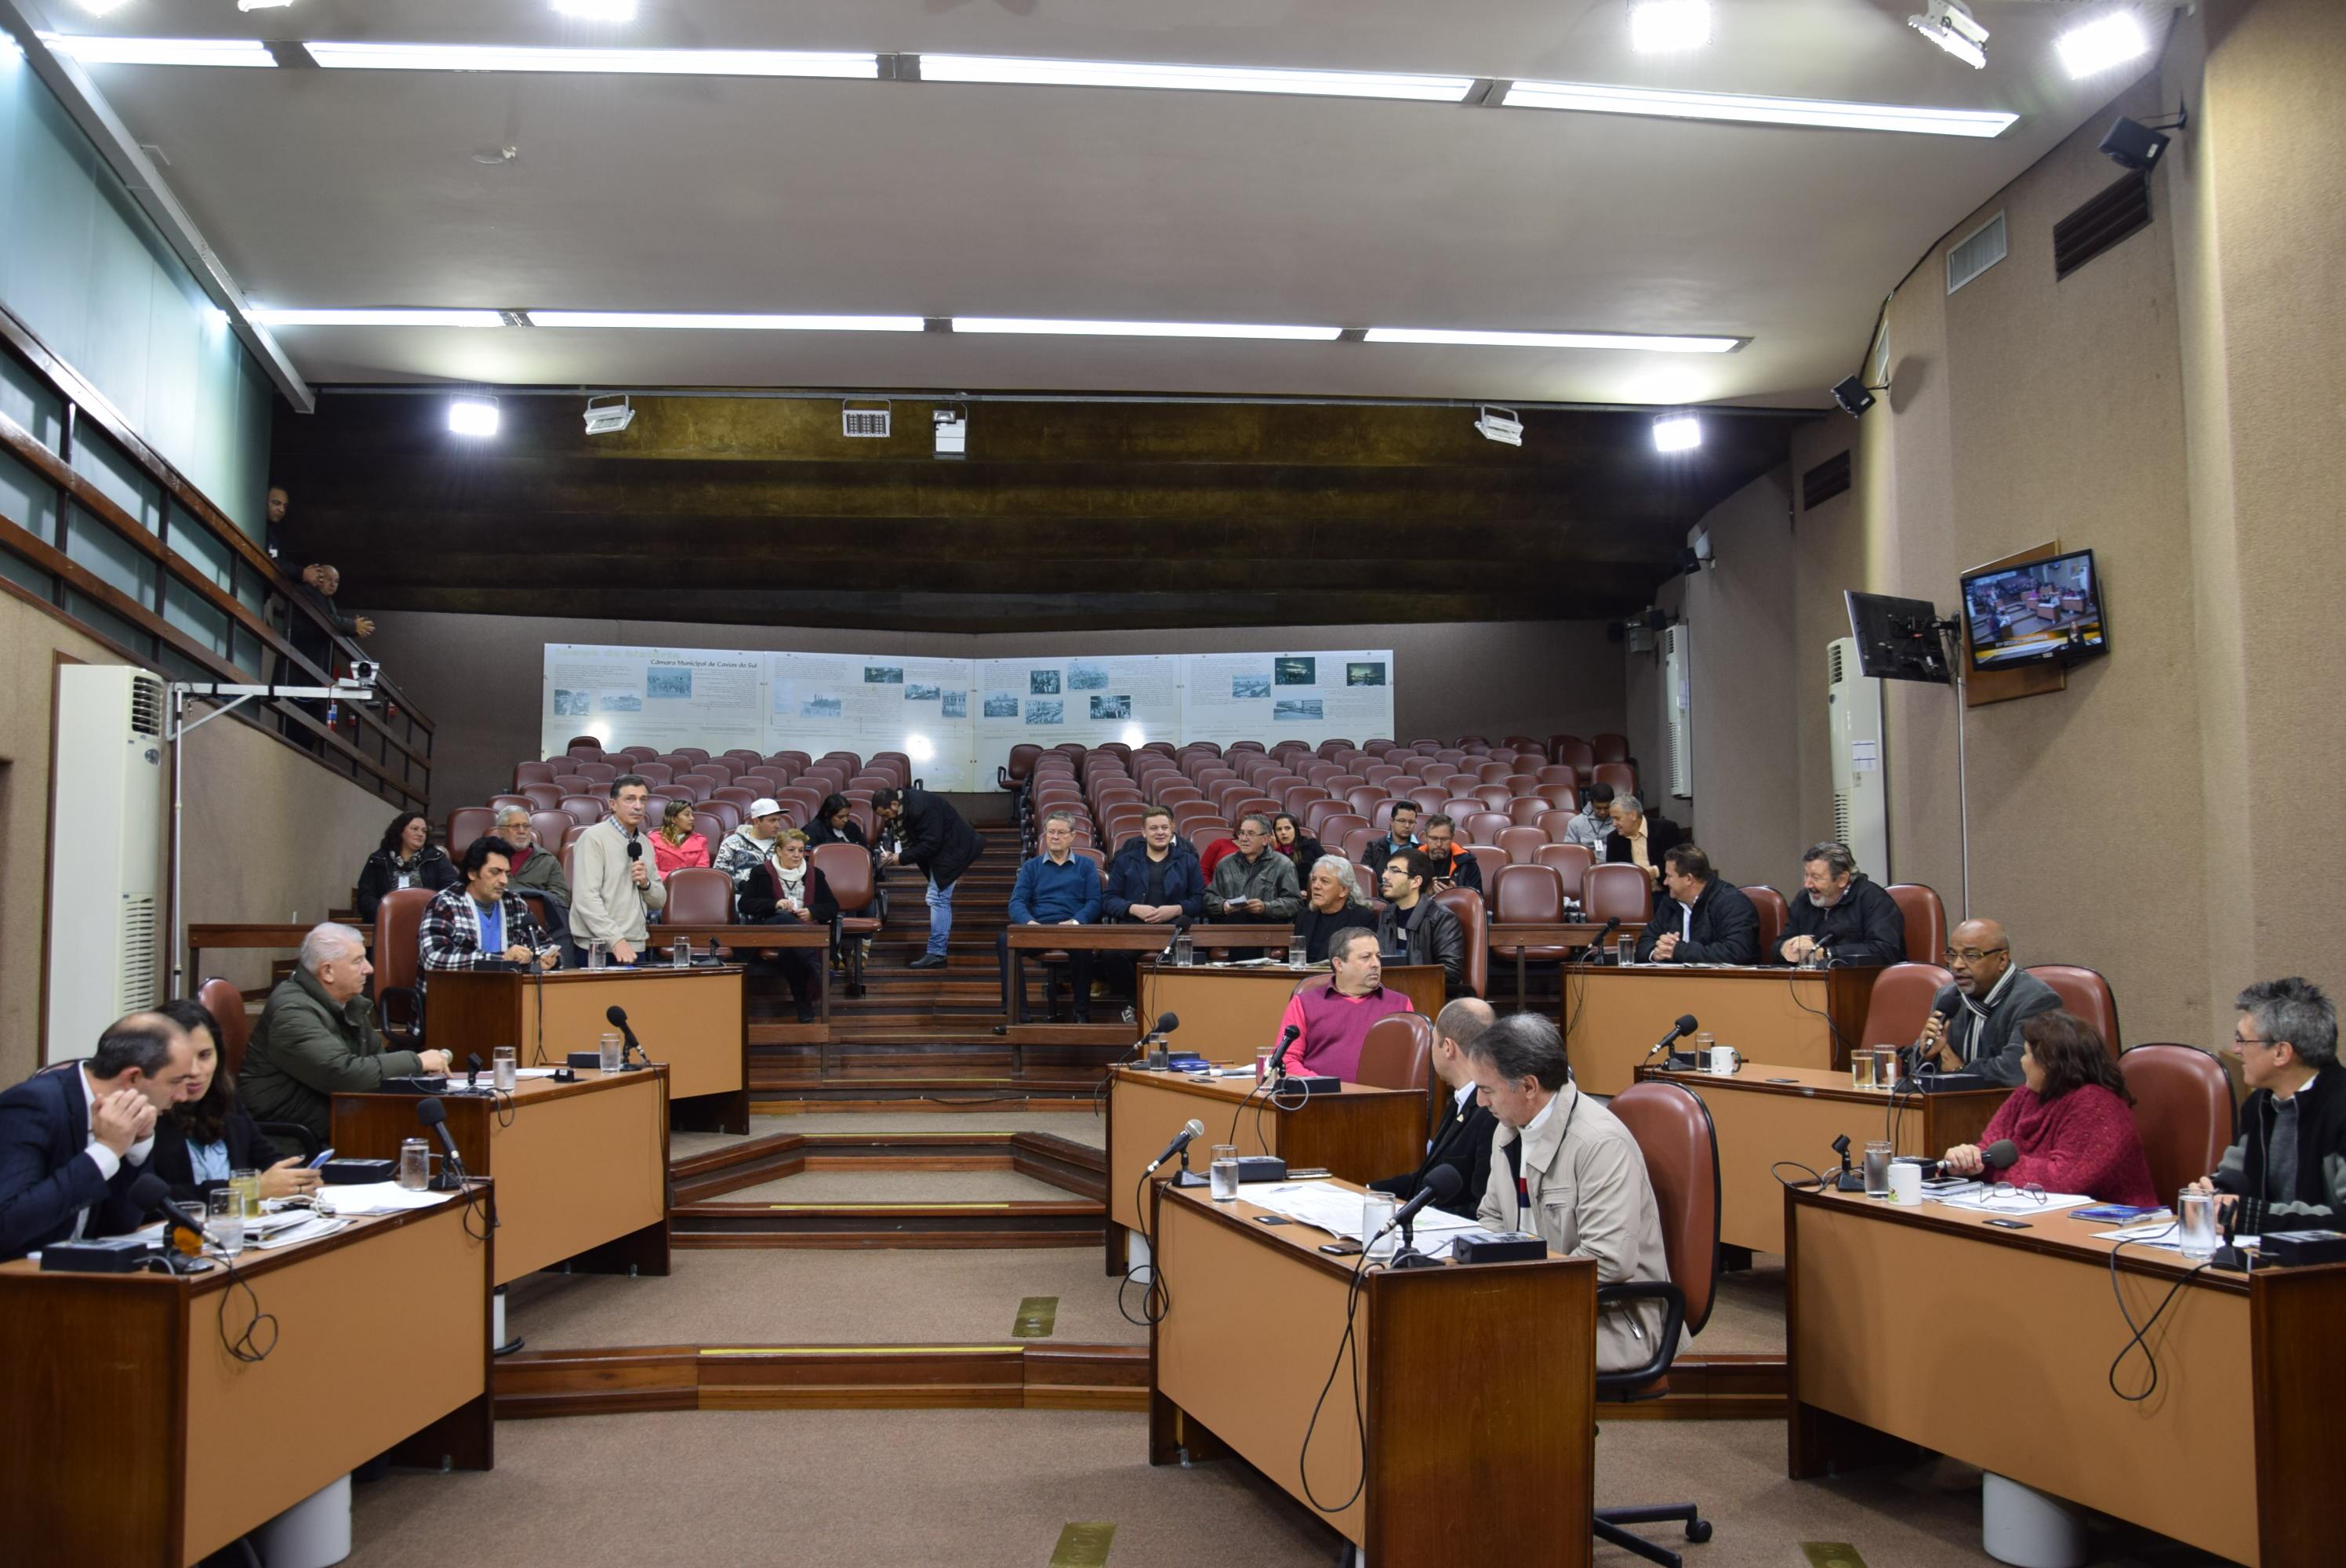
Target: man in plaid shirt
[(478, 923)]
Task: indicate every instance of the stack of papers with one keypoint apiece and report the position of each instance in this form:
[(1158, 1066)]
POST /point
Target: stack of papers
[(1340, 1213), (1986, 1201), (379, 1197)]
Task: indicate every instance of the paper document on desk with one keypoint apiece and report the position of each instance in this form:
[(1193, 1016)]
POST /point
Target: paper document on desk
[(310, 1228), (2009, 1201), (2163, 1235), (1339, 1213), (379, 1198)]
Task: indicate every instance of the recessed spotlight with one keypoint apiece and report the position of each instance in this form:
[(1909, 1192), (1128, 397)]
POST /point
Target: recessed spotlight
[(1953, 29), (473, 416), (1500, 424), (608, 416), (2111, 40), (1663, 26), (597, 10), (1676, 432)]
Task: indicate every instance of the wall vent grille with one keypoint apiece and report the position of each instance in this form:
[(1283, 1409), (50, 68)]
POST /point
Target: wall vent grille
[(1825, 481), (2101, 223), (1977, 252)]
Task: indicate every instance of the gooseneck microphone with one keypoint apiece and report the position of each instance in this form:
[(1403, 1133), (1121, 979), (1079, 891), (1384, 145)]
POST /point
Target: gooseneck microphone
[(152, 1194), (1276, 1072), (434, 1115), (616, 1016), (1443, 1183), (1597, 942), (1685, 1025), (473, 1075), (1190, 1131)]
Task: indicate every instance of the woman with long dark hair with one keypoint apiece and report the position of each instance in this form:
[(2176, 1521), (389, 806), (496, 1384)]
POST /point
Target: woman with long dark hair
[(200, 1140), (2070, 1119), (407, 858)]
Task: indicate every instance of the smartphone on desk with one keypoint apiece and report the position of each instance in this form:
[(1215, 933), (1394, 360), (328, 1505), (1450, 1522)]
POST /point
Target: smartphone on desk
[(1342, 1247)]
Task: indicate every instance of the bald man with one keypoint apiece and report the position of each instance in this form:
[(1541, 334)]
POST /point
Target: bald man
[(1975, 1023)]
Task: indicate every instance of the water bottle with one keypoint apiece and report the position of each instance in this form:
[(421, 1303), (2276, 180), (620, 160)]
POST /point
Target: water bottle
[(1184, 953)]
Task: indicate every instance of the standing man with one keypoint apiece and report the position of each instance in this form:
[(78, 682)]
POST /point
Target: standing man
[(317, 1036), (1703, 919), (1638, 840), (1840, 910), (74, 1136), (1058, 887), (2288, 1168), (272, 536), (1453, 867), (481, 923), (1566, 1168), (933, 836), (1464, 1140), (1974, 1024), (1401, 833), (616, 880), (1414, 929)]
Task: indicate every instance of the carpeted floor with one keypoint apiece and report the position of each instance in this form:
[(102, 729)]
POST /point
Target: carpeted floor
[(1080, 1126), (849, 1184), (1747, 1312)]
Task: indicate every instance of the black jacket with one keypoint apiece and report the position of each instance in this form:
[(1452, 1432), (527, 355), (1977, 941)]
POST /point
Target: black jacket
[(1864, 926), (1383, 849), (936, 838), (1305, 853), (249, 1149), (1993, 1047), (1464, 870), (1127, 879), (1725, 928), (1314, 931), (1463, 1142), (757, 895), (1433, 936), (380, 875), (821, 833), (2319, 1198), (1662, 836), (45, 1179)]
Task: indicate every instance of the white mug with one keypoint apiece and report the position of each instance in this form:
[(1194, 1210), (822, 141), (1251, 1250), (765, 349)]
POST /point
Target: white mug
[(1905, 1184), (1723, 1059)]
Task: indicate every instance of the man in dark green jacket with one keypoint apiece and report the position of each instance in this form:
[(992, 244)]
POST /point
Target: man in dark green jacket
[(317, 1035)]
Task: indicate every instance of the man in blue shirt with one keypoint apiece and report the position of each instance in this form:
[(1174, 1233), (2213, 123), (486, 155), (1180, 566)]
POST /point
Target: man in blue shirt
[(1058, 887), (1401, 833)]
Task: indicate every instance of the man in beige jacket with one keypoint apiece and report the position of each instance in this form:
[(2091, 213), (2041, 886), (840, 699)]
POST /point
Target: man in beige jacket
[(612, 888), (1564, 1165)]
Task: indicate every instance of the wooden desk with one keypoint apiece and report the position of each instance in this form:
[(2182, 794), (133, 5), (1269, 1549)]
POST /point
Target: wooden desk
[(1481, 1434), (690, 1019), (2005, 1357), (1517, 935), (1760, 1120), (784, 1030), (581, 1169), (1228, 1015), (1362, 1134), (1780, 1017), (136, 1438)]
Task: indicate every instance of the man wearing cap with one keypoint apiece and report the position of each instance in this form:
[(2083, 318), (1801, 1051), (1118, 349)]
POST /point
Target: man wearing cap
[(752, 844)]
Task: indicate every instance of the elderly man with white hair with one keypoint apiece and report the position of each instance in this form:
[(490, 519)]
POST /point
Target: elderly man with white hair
[(317, 1036)]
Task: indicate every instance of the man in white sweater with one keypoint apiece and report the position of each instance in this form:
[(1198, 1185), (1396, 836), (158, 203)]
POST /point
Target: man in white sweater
[(612, 881)]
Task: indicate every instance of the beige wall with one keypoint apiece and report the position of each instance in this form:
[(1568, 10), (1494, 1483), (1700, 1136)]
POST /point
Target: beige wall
[(269, 833), (480, 676)]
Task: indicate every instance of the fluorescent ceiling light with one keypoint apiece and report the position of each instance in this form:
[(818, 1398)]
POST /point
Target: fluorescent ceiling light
[(263, 5), (473, 416), (1190, 78), (640, 62), (692, 321), (1650, 342), (1143, 329), (597, 10), (1662, 27), (1953, 29), (100, 8), (2097, 46), (267, 317), (1678, 433), (1590, 98), (92, 50)]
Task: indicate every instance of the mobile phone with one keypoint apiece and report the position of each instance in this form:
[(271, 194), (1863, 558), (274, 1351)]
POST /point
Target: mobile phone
[(1306, 1172), (1272, 1219), (2008, 1223), (1342, 1247), (319, 1164), (1782, 1080)]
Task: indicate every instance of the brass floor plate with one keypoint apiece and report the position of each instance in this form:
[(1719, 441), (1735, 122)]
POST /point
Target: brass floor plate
[(1832, 1555), (1083, 1546), (1037, 1316)]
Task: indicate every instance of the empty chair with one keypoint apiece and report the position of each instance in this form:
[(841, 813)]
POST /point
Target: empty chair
[(590, 744), (1355, 846), (542, 797), (801, 804), (398, 927), (1380, 775), (551, 828), (1489, 858), (1610, 748), (1926, 921), (466, 823), (718, 818), (601, 772), (1529, 895), (1428, 799), (230, 1022), (1014, 774), (1458, 808), (1521, 844), (1484, 827), (694, 753), (1774, 913), (2183, 1112), (588, 809), (1900, 1004), (1335, 825), (499, 802), (1572, 752), (699, 895), (1364, 798), (1556, 824), (2085, 992), (1570, 862), (640, 753), (740, 796), (1561, 797), (1316, 814), (1616, 893), (533, 773), (653, 773), (745, 756), (1492, 772), (1619, 775), (1494, 796), (1474, 924), (1525, 744), (1525, 810)]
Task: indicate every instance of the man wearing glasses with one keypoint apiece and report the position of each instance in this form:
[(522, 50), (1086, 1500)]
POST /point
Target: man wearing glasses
[(1253, 886), (1975, 1023), (2288, 1169)]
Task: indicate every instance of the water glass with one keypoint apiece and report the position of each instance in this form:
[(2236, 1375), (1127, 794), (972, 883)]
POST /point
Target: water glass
[(680, 955), (1702, 1046), (1377, 1209), (613, 1051), (1623, 949), (1861, 1068), (1262, 1063), (598, 953), (1877, 1168), (246, 1185), (1222, 1172), (1185, 952), (2196, 1211), (1885, 1066), (225, 1220), (507, 1067), (414, 1165)]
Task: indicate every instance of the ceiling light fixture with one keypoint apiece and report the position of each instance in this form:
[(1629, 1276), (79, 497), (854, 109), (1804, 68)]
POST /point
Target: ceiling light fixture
[(1953, 29), (2110, 40), (1588, 97), (596, 10), (100, 8), (263, 5), (686, 321), (1649, 341), (1018, 324), (1192, 78), (1665, 27), (93, 50), (268, 317), (591, 62), (473, 416), (1676, 432), (1503, 425), (610, 414)]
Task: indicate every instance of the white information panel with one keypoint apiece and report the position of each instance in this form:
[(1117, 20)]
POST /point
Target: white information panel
[(1132, 698), (865, 703), (1271, 698), (654, 696)]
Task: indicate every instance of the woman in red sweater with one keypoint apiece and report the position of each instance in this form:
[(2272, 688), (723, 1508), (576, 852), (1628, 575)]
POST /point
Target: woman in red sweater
[(2070, 1119)]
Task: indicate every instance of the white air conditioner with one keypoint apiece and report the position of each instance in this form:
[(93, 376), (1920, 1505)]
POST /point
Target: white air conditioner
[(1678, 706), (1861, 790), (105, 853)]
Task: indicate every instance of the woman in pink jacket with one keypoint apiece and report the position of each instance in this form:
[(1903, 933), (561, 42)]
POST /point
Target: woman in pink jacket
[(676, 845), (2071, 1119)]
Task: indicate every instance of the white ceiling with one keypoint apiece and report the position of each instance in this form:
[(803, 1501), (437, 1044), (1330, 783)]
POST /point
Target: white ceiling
[(358, 188)]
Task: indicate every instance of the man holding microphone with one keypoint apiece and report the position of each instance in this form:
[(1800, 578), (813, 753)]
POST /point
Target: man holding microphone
[(614, 885)]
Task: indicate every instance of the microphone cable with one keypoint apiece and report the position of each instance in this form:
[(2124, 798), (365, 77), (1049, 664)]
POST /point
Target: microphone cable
[(2140, 1339), (244, 1345), (1345, 1343), (1156, 1300)]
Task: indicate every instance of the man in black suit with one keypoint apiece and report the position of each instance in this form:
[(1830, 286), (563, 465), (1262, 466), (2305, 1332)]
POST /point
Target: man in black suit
[(74, 1136), (1638, 840), (1462, 1139), (1701, 918)]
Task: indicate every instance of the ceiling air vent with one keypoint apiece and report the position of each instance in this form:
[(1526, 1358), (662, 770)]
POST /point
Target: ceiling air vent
[(2101, 223), (1974, 254), (1825, 481)]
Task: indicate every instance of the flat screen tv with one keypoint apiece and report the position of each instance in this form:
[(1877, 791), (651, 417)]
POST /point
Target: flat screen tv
[(2047, 612), (1897, 639)]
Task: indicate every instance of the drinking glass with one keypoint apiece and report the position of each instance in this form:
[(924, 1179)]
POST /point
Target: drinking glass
[(596, 952), (1377, 1209), (680, 955), (507, 1067), (1877, 1168), (414, 1165), (225, 1220), (246, 1185), (1262, 1063), (1885, 1066), (1623, 949), (1861, 1069), (1222, 1172), (613, 1051), (1702, 1044), (2196, 1211)]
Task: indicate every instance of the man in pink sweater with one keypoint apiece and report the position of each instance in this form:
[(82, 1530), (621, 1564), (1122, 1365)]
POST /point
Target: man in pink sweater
[(1333, 1019)]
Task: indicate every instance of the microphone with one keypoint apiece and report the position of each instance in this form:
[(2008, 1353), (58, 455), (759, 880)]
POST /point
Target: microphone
[(1166, 1024), (151, 1192), (1998, 1155), (1276, 1072), (1443, 1183), (434, 1115), (473, 1077), (616, 1016), (1190, 1130), (1597, 944), (1919, 1055), (1685, 1025)]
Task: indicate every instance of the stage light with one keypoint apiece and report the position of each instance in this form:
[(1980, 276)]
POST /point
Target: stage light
[(473, 416), (608, 416), (2111, 40), (1663, 26), (1500, 424), (1946, 24), (2133, 145), (1676, 432), (1852, 395)]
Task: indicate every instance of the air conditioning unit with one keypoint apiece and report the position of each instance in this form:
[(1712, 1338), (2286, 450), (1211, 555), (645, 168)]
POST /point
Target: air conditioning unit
[(1678, 706), (105, 857), (1860, 789)]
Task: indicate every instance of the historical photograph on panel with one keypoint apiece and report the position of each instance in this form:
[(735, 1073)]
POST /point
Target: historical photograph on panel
[(883, 674), (1364, 675), (1043, 683), (956, 704), (668, 682), (1000, 705), (1302, 671), (1045, 710), (1112, 707), (1247, 685), (1295, 710)]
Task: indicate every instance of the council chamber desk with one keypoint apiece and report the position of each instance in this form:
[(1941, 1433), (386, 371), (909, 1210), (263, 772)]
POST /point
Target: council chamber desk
[(1761, 1115), (1480, 1431), (690, 1019), (1777, 1016), (136, 1438), (1362, 1134), (1997, 1346), (581, 1169), (1229, 1012)]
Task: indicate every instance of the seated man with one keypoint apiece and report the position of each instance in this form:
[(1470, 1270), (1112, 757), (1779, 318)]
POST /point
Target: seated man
[(317, 1035), (1333, 1018), (1638, 840), (1255, 885), (1565, 1167), (619, 882), (1415, 928), (1974, 1024), (536, 869), (2287, 1169), (1058, 887), (753, 841), (1453, 867), (480, 923), (1702, 919), (1401, 833), (75, 1135), (783, 889), (1331, 903), (1593, 823), (1844, 911), (1154, 878), (1462, 1141)]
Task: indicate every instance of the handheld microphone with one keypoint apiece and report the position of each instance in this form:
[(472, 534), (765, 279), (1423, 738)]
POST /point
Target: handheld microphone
[(473, 1075), (1999, 1156), (616, 1016), (1597, 942), (1443, 1183), (1276, 1072), (151, 1193), (1919, 1054), (434, 1115), (1685, 1025), (1191, 1130)]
